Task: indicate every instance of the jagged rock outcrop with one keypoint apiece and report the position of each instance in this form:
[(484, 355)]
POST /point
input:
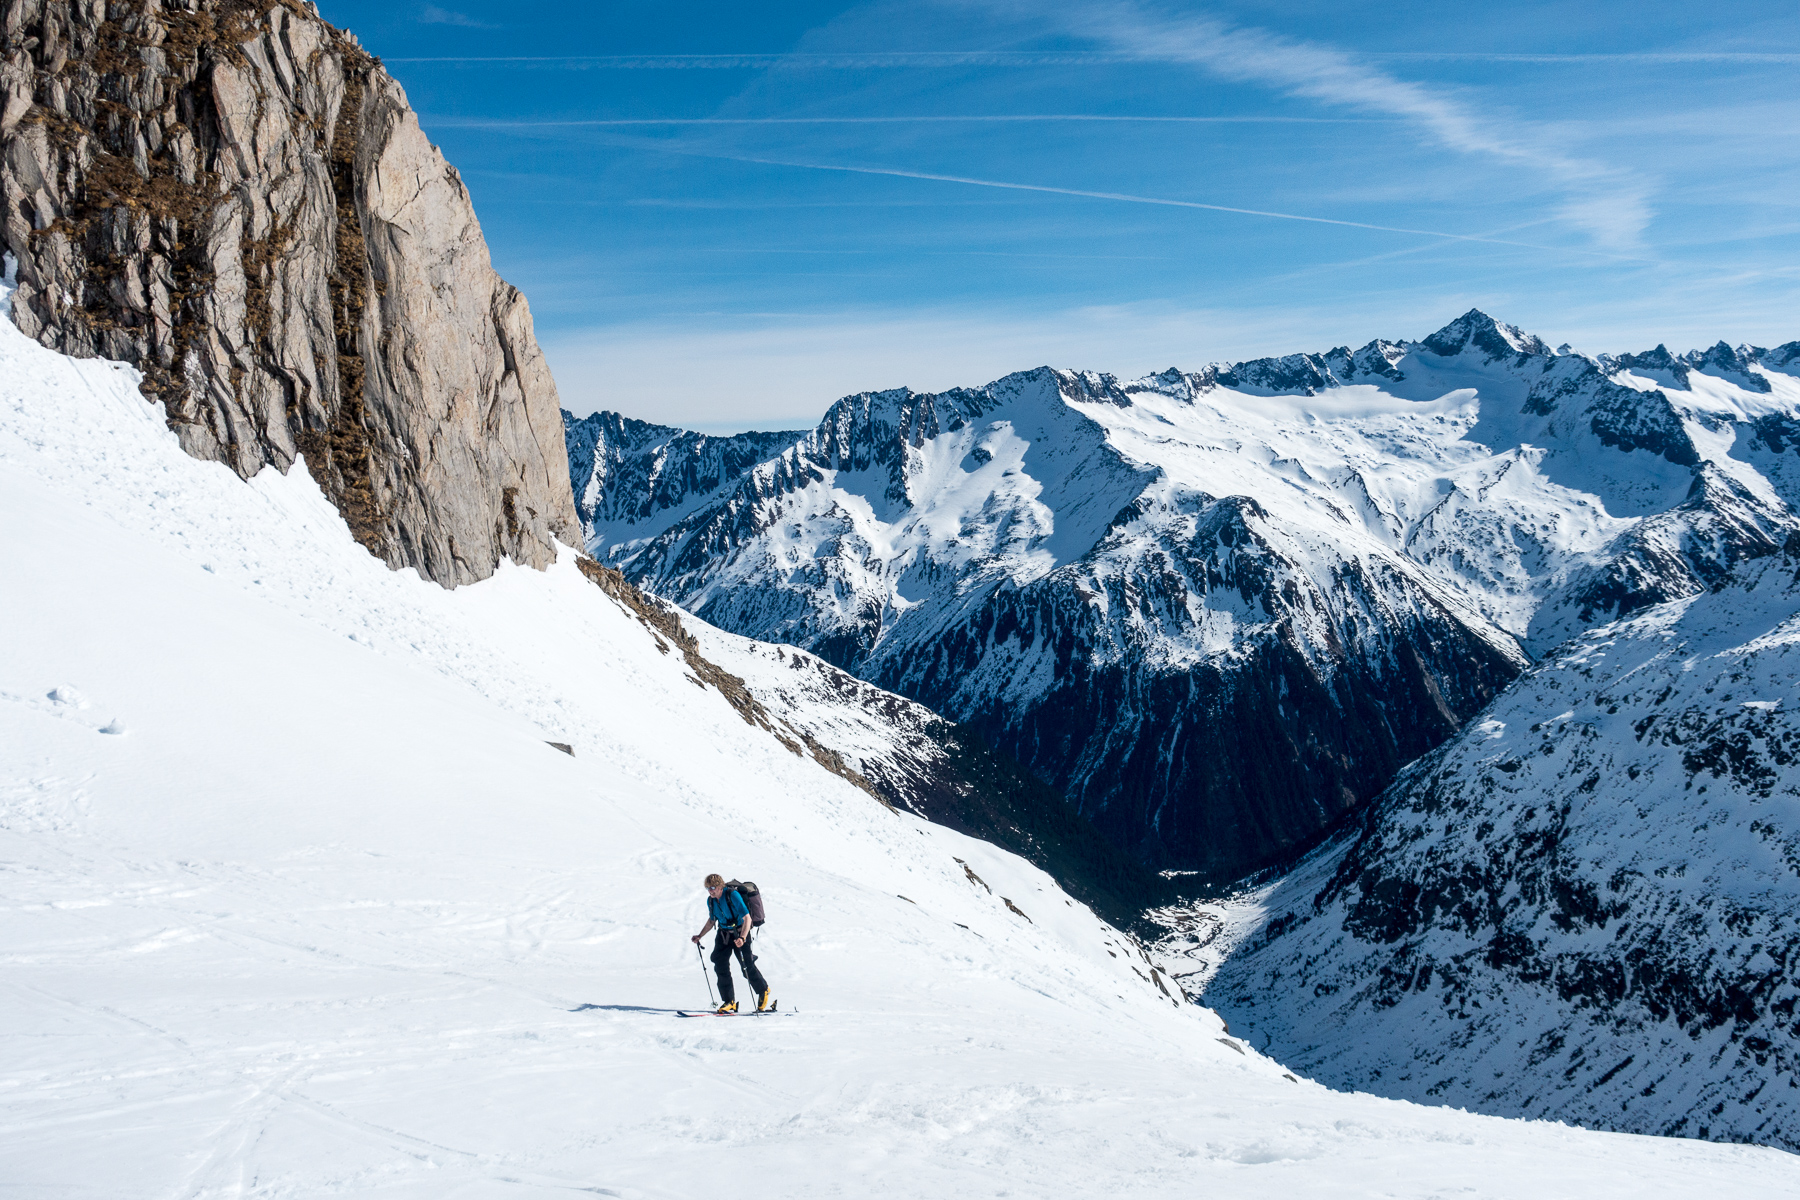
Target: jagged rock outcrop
[(234, 197)]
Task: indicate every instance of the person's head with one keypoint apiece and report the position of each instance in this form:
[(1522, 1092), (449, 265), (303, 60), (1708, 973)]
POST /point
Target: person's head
[(715, 885)]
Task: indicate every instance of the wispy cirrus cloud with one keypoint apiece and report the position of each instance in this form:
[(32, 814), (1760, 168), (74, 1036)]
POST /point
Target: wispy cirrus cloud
[(431, 14), (1608, 203)]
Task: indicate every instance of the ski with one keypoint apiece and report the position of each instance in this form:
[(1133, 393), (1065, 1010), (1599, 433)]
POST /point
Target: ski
[(774, 1010)]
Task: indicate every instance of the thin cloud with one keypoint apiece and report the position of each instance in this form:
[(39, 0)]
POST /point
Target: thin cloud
[(1611, 204), (431, 14), (880, 60), (1636, 58)]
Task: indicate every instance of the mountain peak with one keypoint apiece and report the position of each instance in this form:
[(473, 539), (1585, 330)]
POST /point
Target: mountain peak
[(1476, 328)]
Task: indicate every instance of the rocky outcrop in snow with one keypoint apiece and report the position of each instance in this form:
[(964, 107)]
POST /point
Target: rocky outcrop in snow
[(234, 197)]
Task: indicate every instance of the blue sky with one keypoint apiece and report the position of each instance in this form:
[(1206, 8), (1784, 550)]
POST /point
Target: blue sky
[(727, 215)]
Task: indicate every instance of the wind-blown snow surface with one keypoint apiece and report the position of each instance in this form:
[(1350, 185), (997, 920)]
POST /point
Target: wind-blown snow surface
[(1221, 608), (1585, 907), (298, 902)]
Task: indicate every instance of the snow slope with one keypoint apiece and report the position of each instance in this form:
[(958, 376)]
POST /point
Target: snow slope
[(1585, 907), (297, 901)]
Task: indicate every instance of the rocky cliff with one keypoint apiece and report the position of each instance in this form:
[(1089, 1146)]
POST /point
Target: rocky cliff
[(234, 197)]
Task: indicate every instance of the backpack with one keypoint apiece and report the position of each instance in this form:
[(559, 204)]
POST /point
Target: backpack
[(752, 898)]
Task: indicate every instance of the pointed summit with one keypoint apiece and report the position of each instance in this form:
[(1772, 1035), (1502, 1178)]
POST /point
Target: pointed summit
[(1476, 328), (1657, 364), (1728, 364)]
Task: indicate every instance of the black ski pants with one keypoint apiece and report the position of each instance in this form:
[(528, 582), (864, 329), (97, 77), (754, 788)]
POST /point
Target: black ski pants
[(721, 961)]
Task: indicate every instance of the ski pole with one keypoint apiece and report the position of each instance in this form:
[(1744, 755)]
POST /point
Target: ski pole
[(709, 992)]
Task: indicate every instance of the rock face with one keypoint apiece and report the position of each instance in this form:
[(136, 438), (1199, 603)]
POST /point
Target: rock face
[(234, 197), (1220, 609), (1586, 907)]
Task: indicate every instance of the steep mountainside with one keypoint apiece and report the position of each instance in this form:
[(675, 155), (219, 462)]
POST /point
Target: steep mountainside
[(445, 958), (915, 760), (1220, 609), (1586, 907), (234, 197)]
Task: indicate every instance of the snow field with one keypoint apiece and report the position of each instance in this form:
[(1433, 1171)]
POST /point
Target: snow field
[(295, 901)]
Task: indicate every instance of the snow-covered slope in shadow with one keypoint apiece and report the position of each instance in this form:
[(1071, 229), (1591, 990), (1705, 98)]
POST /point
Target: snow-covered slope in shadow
[(298, 901), (1585, 907)]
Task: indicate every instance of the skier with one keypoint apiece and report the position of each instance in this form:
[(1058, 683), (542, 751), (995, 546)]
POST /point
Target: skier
[(727, 911)]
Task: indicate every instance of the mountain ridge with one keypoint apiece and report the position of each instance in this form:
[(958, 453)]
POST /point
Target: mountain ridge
[(1034, 556)]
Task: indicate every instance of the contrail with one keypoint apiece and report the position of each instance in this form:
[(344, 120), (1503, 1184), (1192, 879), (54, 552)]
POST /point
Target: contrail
[(480, 123), (716, 62), (1054, 58), (1134, 199)]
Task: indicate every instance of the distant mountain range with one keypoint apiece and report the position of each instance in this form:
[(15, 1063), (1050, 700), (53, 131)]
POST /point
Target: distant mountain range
[(1218, 609)]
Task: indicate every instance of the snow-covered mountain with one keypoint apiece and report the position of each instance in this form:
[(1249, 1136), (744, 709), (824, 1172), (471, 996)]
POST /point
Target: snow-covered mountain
[(1220, 609), (1585, 907), (298, 901), (625, 471)]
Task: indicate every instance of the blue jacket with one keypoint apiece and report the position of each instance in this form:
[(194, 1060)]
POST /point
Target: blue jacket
[(728, 910)]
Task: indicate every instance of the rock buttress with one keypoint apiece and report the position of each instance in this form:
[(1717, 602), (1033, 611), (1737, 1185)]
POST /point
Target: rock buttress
[(234, 197)]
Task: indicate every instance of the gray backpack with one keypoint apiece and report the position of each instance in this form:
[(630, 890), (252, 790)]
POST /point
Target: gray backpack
[(752, 898)]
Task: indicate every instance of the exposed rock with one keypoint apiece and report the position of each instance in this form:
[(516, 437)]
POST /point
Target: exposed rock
[(1729, 364), (626, 471), (1074, 615), (1478, 331), (234, 197), (1585, 907)]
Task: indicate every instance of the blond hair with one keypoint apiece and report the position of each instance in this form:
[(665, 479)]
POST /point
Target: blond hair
[(715, 881)]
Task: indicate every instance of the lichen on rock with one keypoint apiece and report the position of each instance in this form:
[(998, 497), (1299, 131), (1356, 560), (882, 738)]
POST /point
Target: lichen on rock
[(234, 197)]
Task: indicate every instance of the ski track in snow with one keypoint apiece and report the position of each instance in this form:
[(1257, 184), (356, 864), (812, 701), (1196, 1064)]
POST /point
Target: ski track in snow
[(295, 901)]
